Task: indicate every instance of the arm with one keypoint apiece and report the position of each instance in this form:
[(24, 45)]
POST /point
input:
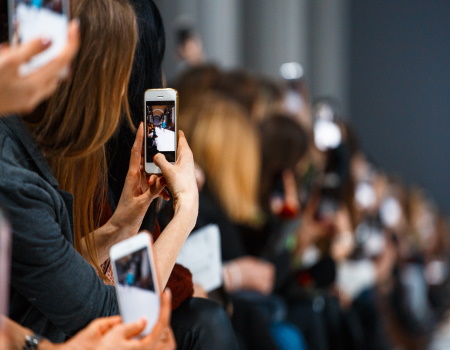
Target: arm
[(137, 195), (182, 184)]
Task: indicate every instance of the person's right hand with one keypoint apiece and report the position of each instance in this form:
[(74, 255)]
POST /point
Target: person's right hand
[(257, 274), (160, 338), (180, 178), (23, 93)]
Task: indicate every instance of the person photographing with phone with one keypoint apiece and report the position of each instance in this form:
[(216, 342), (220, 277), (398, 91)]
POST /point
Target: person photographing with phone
[(60, 150)]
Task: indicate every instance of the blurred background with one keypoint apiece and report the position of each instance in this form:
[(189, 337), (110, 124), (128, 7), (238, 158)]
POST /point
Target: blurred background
[(386, 63)]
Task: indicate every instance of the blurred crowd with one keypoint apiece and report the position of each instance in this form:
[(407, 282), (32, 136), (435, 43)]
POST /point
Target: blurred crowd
[(321, 249), (316, 238)]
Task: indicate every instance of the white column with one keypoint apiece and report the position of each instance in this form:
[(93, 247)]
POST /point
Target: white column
[(275, 32), (330, 50)]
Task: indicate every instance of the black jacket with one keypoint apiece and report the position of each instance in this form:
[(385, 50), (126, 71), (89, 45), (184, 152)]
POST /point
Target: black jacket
[(54, 291)]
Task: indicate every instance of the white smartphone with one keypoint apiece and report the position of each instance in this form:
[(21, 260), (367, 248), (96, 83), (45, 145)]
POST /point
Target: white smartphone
[(135, 280), (32, 19), (160, 125), (5, 256)]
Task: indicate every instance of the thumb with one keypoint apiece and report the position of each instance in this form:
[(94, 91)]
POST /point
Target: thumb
[(26, 51), (132, 329), (136, 150), (162, 163)]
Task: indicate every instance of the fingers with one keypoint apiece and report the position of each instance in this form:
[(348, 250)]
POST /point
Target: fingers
[(165, 195), (156, 187), (183, 147), (162, 163), (129, 330), (166, 307), (135, 157), (73, 41), (103, 324), (26, 51), (163, 320)]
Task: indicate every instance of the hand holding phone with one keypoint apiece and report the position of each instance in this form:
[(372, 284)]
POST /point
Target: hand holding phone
[(42, 82), (135, 277), (35, 19)]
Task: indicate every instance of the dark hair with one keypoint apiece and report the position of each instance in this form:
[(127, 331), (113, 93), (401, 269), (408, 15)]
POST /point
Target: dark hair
[(241, 87), (146, 74), (195, 82), (284, 143), (183, 34), (4, 21)]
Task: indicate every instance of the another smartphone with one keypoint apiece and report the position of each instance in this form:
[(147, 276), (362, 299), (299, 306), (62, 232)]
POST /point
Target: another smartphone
[(5, 260), (32, 19), (160, 125), (135, 279)]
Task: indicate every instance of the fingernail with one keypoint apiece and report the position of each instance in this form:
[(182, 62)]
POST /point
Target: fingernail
[(64, 73), (168, 291), (45, 41), (76, 21)]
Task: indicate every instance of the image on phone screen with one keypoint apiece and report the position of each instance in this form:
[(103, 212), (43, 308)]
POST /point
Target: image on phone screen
[(160, 129), (137, 293), (32, 19)]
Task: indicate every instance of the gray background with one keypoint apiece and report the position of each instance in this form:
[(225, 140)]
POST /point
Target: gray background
[(386, 61)]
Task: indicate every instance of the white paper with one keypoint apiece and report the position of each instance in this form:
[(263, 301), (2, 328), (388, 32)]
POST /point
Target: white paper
[(201, 254), (353, 277)]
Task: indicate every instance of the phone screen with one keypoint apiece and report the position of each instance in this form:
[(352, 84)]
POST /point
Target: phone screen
[(137, 293), (32, 19), (160, 129)]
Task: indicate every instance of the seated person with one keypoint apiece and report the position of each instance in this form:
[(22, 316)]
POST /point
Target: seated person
[(49, 157)]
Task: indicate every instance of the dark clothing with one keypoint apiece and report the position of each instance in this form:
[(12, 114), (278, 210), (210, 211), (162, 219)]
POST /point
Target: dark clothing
[(54, 291), (202, 324), (230, 238)]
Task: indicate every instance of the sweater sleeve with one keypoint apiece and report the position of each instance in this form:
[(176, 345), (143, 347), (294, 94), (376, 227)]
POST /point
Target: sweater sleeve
[(46, 270)]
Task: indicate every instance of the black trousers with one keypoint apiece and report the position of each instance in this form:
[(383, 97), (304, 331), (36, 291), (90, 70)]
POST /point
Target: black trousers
[(202, 324)]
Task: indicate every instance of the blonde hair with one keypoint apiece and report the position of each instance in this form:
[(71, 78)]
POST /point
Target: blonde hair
[(86, 111), (225, 145)]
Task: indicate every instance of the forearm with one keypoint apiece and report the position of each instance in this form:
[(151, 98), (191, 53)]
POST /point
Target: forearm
[(12, 336), (105, 237), (168, 245)]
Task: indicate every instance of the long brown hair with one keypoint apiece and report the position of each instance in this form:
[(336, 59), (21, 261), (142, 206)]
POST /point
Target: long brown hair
[(225, 145), (85, 111)]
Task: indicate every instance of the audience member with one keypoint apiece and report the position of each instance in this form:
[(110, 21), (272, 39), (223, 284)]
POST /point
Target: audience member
[(54, 290)]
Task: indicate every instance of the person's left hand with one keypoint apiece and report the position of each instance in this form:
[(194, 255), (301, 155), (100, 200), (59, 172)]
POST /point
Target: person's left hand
[(91, 336), (138, 192)]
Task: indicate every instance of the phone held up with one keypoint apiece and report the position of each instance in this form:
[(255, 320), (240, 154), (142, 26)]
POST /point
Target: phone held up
[(39, 19), (135, 278), (160, 126)]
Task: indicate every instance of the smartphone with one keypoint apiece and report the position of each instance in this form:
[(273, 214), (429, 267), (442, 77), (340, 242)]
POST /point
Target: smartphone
[(160, 125), (5, 256), (135, 279), (32, 19)]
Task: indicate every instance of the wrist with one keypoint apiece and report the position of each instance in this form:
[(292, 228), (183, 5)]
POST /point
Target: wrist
[(232, 276), (187, 210)]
